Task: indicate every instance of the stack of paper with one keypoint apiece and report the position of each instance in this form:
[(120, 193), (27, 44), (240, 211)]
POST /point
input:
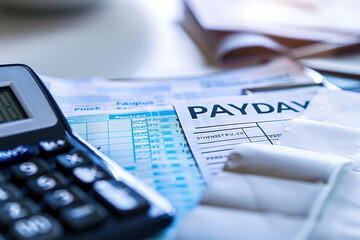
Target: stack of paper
[(100, 94), (259, 30)]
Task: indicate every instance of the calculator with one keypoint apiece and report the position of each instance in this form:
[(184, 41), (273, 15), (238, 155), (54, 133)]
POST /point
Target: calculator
[(53, 184)]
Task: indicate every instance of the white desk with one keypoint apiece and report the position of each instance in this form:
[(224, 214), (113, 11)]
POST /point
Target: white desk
[(119, 39)]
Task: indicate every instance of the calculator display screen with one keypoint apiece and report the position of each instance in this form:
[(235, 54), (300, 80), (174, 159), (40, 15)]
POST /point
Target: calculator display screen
[(10, 108)]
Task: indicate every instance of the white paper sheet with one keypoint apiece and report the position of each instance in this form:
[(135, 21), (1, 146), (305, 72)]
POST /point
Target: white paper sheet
[(329, 125), (305, 19), (214, 126), (347, 64), (99, 94)]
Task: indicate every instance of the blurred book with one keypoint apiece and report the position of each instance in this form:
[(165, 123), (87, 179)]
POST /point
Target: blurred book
[(346, 64), (258, 30)]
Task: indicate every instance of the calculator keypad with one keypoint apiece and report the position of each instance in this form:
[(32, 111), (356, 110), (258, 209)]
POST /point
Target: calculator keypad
[(50, 188)]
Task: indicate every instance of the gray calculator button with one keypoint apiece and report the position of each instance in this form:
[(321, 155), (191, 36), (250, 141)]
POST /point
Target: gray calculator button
[(54, 146), (120, 197), (47, 182), (89, 174), (37, 227), (3, 195), (29, 169), (15, 210), (72, 160), (84, 216), (63, 197)]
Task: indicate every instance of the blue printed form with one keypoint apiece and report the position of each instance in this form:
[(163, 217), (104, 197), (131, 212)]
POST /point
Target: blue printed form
[(150, 145)]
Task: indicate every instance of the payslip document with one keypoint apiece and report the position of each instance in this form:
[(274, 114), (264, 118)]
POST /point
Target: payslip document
[(214, 126)]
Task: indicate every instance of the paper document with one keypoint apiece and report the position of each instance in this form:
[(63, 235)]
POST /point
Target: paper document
[(305, 19), (283, 192), (214, 126), (265, 192), (150, 145), (99, 94), (346, 63), (330, 125)]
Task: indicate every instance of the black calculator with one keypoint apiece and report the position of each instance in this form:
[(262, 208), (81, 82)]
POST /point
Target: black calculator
[(54, 185)]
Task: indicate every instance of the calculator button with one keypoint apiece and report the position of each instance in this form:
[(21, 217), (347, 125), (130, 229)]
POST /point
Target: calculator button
[(63, 198), (120, 197), (9, 192), (12, 211), (29, 169), (37, 227), (51, 147), (46, 182), (87, 175), (72, 160), (21, 152), (84, 216)]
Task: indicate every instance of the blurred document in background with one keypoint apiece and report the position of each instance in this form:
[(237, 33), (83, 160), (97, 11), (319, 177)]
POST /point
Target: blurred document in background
[(323, 16), (345, 83), (99, 94), (259, 30), (343, 64), (215, 126)]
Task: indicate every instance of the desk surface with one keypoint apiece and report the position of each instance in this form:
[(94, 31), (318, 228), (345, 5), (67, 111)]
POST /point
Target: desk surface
[(118, 39)]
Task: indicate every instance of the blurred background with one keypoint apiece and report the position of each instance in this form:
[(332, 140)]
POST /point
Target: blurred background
[(174, 38), (110, 39)]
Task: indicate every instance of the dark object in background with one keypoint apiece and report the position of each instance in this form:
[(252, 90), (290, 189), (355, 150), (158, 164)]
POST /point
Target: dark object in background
[(46, 5)]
